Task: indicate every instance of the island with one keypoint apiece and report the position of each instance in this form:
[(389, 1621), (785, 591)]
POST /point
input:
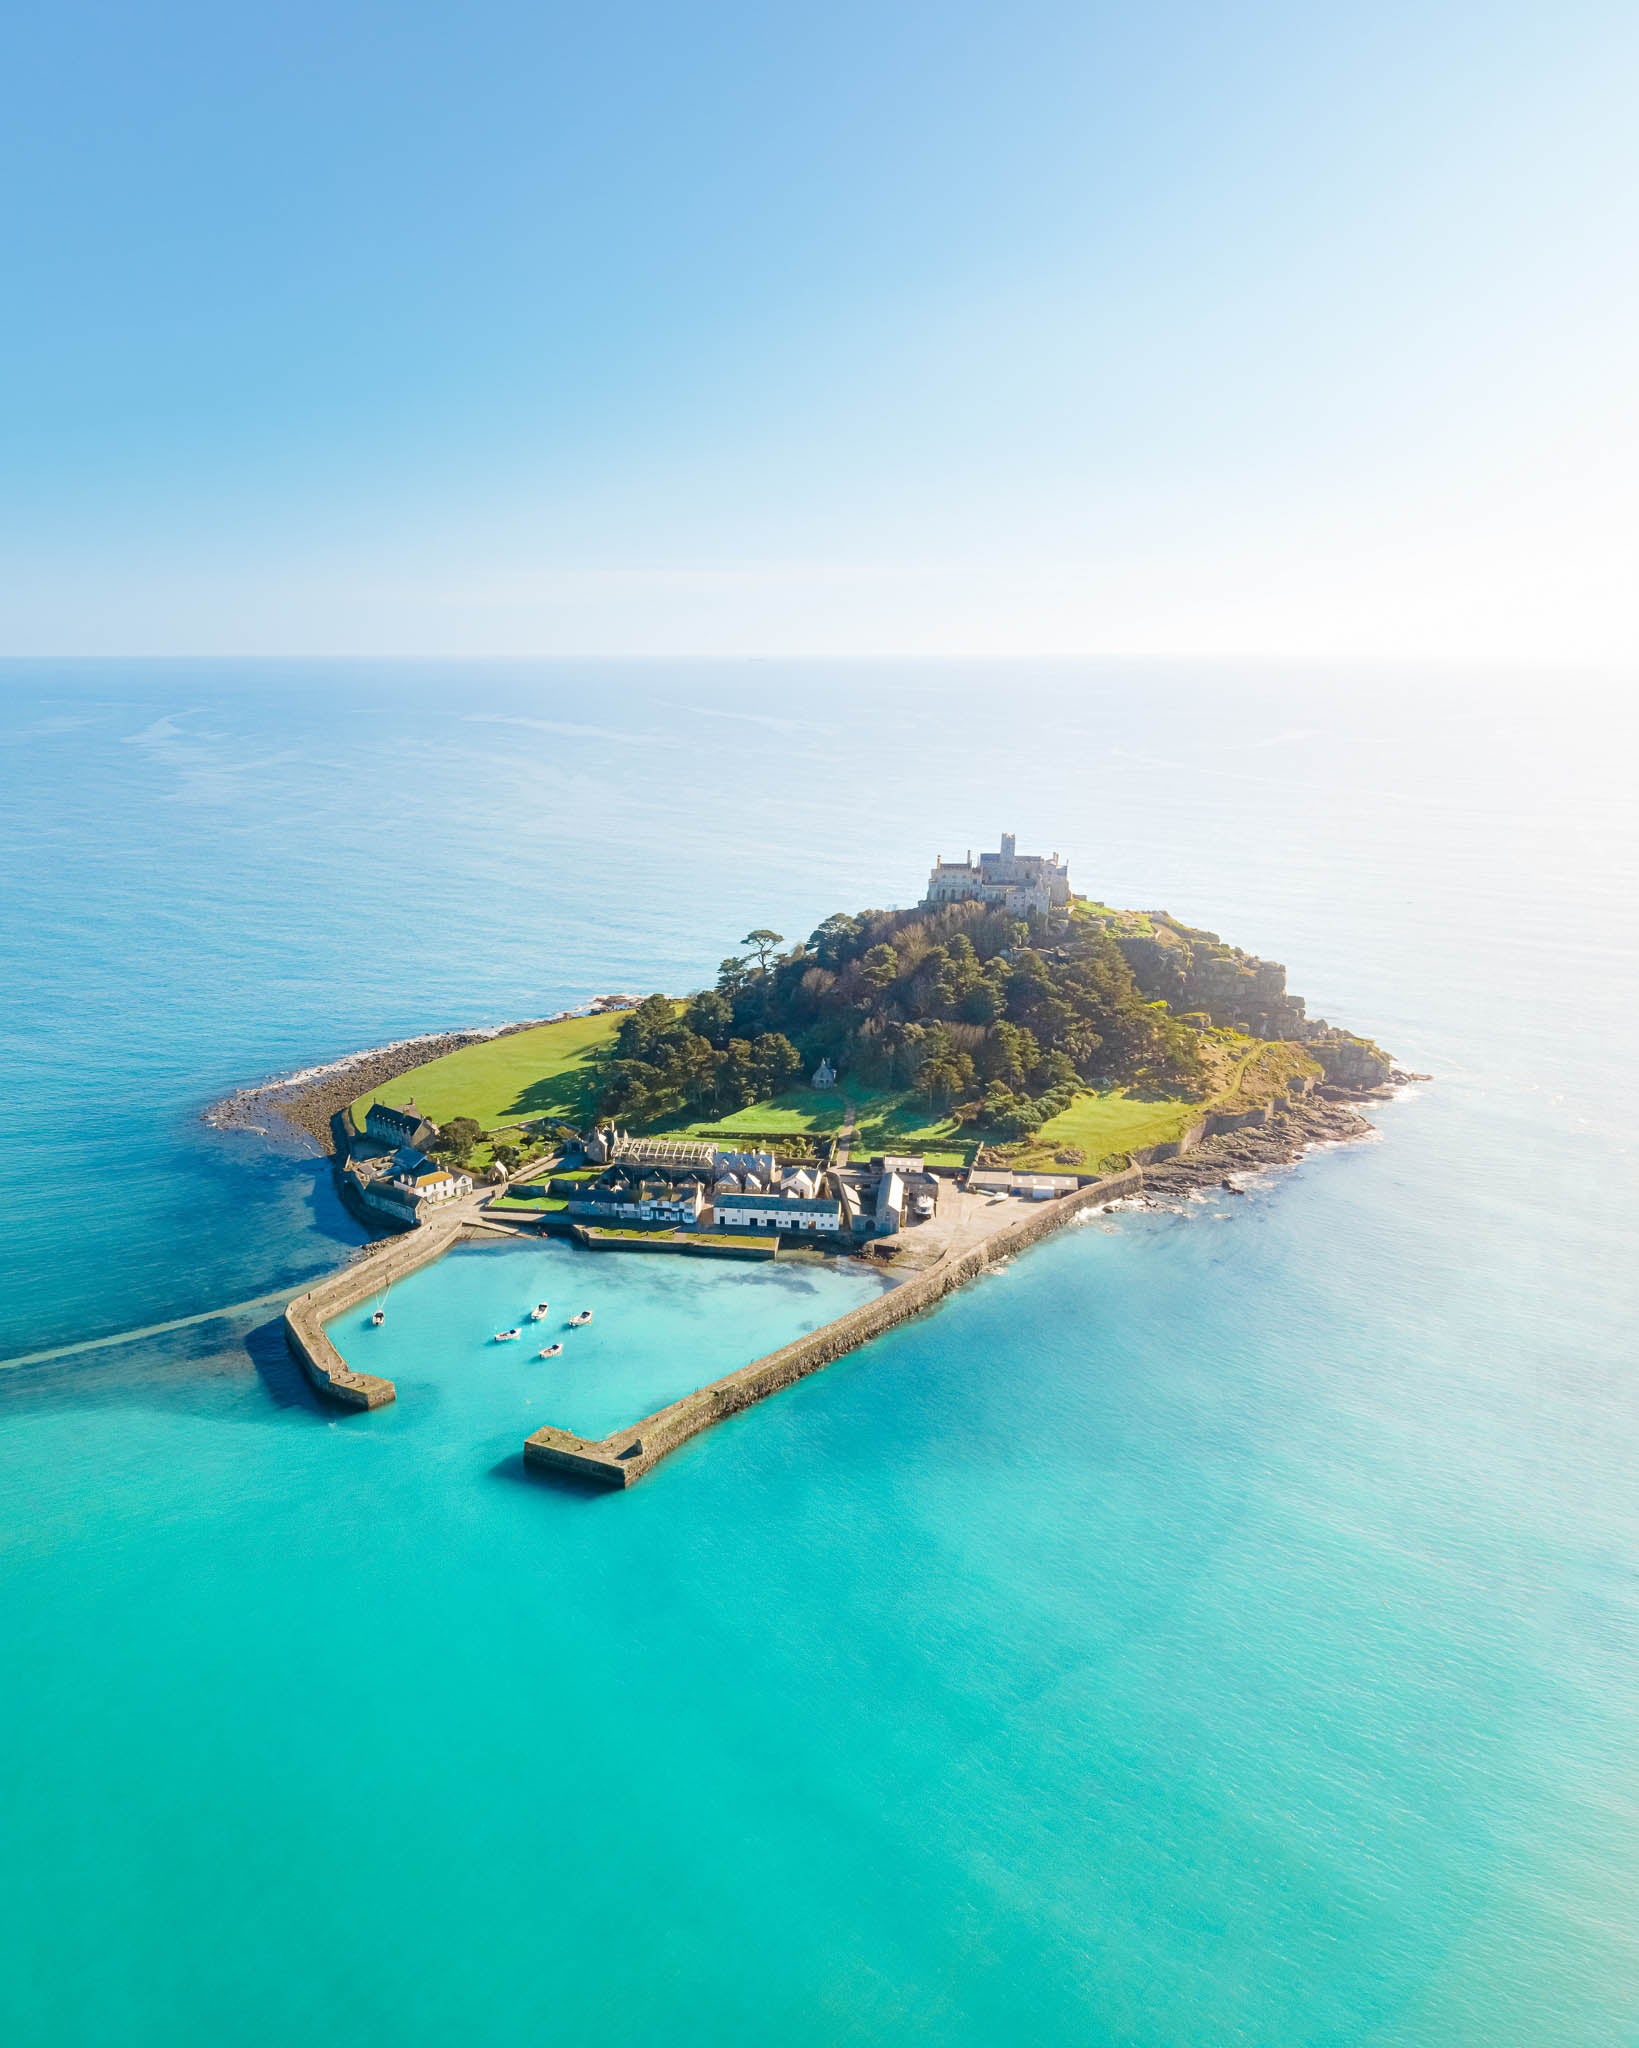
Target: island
[(930, 1090)]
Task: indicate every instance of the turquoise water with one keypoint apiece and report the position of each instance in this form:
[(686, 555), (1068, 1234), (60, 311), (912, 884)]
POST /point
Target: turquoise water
[(1218, 1626), (661, 1326)]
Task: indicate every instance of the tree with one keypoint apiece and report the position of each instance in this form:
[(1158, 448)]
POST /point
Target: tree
[(943, 1077), (880, 967), (711, 1014), (833, 941), (457, 1138), (762, 942), (776, 1062)]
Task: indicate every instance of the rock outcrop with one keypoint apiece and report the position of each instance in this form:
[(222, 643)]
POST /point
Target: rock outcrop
[(1350, 1062), (1195, 970)]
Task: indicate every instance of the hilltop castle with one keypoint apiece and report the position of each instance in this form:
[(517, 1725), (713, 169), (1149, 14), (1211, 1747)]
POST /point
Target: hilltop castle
[(1020, 882)]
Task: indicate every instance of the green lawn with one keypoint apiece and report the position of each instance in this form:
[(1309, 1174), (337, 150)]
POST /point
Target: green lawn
[(797, 1110), (545, 1071), (887, 1121), (1108, 1125)]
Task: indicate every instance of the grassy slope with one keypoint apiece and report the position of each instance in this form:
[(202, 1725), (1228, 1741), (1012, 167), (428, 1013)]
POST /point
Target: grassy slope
[(548, 1071), (1101, 1125), (1107, 1126), (542, 1072)]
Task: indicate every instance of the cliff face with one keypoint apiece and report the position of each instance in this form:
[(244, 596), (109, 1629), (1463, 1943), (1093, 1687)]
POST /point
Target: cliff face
[(1350, 1062), (1195, 970)]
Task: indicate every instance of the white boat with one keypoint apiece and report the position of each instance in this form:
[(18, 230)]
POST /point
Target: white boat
[(538, 1313), (551, 1351), (379, 1318), (507, 1336), (585, 1316)]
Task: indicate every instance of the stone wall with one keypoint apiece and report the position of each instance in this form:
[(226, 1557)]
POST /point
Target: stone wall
[(307, 1315), (625, 1456)]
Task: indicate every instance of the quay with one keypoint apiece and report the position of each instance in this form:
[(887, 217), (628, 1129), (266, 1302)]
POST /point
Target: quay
[(958, 1234), (385, 1262), (622, 1458)]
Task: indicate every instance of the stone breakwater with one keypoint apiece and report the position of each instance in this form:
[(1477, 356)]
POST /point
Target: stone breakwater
[(624, 1457), (381, 1265), (1220, 1143)]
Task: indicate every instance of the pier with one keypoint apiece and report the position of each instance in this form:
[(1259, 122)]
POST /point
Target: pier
[(623, 1457)]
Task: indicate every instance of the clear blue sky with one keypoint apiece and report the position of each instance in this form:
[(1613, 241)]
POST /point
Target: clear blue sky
[(923, 329)]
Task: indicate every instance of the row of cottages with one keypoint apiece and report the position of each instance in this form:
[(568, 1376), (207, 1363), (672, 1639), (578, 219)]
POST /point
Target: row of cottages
[(761, 1163), (778, 1209), (738, 1202), (795, 1180), (638, 1201)]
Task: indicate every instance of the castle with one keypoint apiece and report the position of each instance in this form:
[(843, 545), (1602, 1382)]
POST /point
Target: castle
[(1021, 882)]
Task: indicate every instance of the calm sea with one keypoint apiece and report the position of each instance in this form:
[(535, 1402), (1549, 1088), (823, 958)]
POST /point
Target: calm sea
[(1217, 1627)]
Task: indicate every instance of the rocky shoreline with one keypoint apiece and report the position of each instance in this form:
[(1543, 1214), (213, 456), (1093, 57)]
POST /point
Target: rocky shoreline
[(297, 1108), (1297, 1125)]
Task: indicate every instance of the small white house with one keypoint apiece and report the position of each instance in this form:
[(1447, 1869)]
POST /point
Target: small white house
[(427, 1179)]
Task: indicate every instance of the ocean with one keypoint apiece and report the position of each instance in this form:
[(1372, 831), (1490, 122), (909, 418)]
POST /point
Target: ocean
[(1217, 1626)]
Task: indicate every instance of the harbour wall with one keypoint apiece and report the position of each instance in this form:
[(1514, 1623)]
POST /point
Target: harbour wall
[(307, 1315), (625, 1456)]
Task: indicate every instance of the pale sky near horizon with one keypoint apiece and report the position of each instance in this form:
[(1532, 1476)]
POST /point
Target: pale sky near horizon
[(922, 330)]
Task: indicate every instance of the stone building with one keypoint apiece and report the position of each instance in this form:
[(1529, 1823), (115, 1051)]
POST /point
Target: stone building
[(394, 1126), (426, 1178), (621, 1200), (773, 1209), (1018, 882)]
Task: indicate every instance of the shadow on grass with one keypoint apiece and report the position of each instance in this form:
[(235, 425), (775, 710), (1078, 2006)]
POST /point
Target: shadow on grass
[(566, 1095)]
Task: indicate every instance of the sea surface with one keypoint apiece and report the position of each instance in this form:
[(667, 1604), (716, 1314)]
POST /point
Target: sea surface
[(1219, 1626), (662, 1325)]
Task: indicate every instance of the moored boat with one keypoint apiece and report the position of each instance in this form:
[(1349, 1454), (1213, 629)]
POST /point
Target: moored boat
[(538, 1313), (575, 1321), (379, 1318), (507, 1336), (551, 1351)]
